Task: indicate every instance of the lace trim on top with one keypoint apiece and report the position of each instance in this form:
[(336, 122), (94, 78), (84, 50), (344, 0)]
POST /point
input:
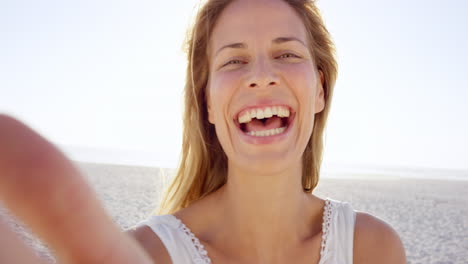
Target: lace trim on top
[(204, 259), (326, 222)]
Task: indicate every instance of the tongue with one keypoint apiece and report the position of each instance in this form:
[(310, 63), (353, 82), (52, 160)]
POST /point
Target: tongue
[(257, 125)]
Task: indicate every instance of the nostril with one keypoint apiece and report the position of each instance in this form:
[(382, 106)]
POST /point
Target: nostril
[(254, 84)]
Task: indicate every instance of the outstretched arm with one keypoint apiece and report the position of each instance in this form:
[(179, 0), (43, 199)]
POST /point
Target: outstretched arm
[(43, 188)]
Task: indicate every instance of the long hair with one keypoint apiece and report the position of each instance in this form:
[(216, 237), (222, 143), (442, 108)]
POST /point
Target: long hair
[(203, 165)]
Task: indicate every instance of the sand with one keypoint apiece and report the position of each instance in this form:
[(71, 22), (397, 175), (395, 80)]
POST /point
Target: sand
[(431, 216)]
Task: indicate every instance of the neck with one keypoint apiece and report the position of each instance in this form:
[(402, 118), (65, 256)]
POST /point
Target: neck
[(265, 214)]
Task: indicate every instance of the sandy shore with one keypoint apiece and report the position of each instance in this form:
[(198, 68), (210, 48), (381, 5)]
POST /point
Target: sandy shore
[(431, 216)]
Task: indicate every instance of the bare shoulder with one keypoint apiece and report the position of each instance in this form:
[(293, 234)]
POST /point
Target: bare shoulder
[(151, 243), (375, 241)]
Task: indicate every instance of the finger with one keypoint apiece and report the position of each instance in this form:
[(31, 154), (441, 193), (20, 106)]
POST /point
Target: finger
[(13, 250), (46, 191)]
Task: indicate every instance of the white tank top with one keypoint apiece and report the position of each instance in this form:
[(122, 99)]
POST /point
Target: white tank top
[(337, 239)]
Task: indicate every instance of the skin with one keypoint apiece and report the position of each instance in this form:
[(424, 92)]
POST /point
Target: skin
[(278, 223), (264, 71), (44, 189), (261, 212)]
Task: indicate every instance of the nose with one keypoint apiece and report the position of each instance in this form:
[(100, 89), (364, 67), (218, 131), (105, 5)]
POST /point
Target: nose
[(262, 75)]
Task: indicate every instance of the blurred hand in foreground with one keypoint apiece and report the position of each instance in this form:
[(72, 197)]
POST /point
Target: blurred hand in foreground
[(40, 186)]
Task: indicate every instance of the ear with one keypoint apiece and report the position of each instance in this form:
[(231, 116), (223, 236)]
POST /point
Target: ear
[(320, 94)]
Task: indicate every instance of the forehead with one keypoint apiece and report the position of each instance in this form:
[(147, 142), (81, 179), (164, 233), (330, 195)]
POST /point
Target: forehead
[(253, 21)]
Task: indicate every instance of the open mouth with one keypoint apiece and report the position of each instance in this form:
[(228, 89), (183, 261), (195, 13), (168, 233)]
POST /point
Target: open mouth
[(265, 121)]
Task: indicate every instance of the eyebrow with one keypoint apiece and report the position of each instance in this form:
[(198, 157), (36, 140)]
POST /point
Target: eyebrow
[(279, 40)]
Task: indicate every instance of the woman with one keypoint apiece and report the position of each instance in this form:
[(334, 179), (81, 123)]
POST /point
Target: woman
[(259, 87)]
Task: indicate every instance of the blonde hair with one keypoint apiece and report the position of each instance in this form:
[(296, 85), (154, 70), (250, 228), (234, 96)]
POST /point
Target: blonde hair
[(203, 165)]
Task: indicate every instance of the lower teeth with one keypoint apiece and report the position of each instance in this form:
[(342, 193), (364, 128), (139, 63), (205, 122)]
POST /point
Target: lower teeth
[(266, 133)]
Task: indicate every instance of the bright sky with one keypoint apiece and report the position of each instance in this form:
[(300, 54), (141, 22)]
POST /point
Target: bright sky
[(103, 79)]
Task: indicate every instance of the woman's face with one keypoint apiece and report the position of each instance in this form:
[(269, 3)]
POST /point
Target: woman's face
[(263, 88)]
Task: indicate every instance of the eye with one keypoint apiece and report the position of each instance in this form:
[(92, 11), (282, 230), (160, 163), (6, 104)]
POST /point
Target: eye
[(288, 55), (233, 62)]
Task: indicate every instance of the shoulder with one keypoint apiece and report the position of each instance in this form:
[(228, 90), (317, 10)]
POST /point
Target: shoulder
[(151, 243), (375, 241)]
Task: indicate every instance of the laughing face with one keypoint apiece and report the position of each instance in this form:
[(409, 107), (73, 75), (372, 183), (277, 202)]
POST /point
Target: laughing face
[(264, 87)]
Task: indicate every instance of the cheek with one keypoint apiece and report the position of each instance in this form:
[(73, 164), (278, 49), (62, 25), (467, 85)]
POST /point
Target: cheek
[(302, 79), (222, 88), (223, 81)]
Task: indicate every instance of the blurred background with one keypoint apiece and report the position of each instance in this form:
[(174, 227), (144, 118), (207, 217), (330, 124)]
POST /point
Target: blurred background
[(103, 80)]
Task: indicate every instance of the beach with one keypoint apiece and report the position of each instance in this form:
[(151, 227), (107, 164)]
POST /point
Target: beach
[(431, 216)]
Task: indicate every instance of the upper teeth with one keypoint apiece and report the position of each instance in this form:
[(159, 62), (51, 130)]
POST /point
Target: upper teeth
[(261, 113)]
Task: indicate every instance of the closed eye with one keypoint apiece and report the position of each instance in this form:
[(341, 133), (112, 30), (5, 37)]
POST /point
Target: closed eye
[(283, 56), (233, 62), (288, 55)]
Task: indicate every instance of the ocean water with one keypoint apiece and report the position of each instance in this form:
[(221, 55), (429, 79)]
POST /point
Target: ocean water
[(389, 172), (329, 170)]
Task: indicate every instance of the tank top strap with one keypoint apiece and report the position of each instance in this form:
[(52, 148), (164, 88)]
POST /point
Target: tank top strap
[(180, 243), (340, 234)]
